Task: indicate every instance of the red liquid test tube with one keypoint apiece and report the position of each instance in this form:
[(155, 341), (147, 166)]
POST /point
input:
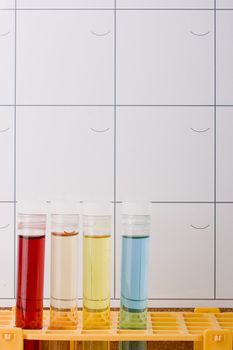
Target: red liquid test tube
[(30, 274)]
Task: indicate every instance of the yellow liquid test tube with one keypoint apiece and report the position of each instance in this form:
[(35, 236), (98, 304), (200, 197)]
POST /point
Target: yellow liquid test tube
[(96, 270)]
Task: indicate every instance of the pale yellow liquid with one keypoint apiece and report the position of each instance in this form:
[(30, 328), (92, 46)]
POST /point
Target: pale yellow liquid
[(96, 287), (61, 345), (64, 274)]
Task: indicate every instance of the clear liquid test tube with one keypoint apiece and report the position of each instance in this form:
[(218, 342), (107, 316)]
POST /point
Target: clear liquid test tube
[(64, 265)]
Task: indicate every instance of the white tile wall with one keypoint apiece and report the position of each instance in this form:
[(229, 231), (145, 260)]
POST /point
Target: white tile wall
[(165, 57), (224, 251), (224, 58), (65, 151), (64, 4), (68, 60), (7, 250), (155, 4), (7, 4), (6, 153), (182, 250), (165, 154), (224, 154), (224, 4), (7, 58)]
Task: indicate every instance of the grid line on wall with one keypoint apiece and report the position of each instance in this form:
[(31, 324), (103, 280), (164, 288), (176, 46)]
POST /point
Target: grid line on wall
[(153, 202), (118, 9), (113, 105), (109, 9), (215, 149), (15, 121), (115, 140)]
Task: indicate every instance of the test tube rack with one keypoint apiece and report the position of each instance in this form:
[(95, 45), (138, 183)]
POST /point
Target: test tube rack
[(208, 329)]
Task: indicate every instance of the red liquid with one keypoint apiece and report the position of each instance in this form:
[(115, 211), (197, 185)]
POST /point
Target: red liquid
[(30, 283), (32, 345)]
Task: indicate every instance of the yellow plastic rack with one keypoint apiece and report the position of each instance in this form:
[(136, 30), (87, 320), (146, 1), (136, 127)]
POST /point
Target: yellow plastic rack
[(209, 329)]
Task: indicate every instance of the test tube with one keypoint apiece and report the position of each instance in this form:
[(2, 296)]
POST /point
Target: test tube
[(64, 268), (30, 272), (96, 270), (134, 270), (64, 265)]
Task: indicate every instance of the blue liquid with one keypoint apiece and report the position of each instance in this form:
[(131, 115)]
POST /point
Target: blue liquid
[(134, 287), (133, 345), (134, 272)]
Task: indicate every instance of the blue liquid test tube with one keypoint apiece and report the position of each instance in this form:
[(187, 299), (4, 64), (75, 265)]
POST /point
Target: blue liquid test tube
[(134, 270)]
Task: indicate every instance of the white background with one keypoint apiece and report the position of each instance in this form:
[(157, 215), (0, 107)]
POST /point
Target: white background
[(124, 100)]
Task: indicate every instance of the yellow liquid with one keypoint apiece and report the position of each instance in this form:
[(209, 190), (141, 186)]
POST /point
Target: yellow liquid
[(96, 287), (96, 282), (96, 345)]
